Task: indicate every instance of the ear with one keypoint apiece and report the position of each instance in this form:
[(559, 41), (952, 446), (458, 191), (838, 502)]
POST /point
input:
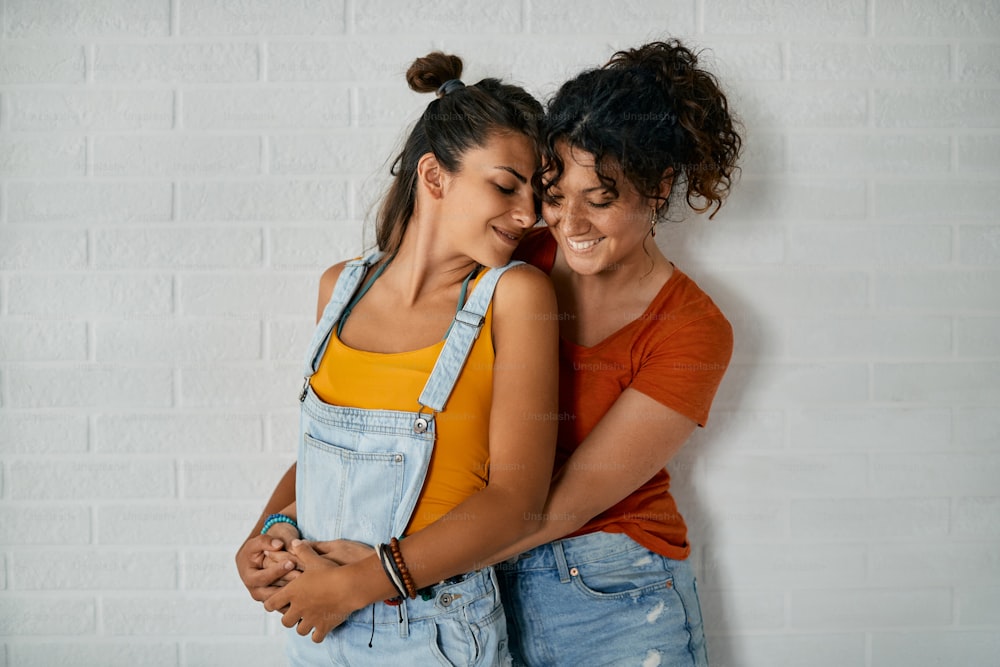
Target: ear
[(431, 176)]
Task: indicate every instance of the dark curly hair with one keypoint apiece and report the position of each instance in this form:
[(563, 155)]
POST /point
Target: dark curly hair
[(462, 117), (650, 112)]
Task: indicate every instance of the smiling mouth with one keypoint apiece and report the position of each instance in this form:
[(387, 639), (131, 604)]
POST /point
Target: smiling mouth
[(513, 238), (580, 246)]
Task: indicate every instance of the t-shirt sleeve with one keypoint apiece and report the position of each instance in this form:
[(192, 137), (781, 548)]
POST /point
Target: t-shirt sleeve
[(537, 248), (683, 368)]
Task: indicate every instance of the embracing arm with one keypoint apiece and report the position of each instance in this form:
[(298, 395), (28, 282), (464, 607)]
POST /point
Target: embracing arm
[(281, 499), (633, 442), (642, 430)]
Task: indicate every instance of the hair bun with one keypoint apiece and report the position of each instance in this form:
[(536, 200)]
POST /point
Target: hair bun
[(428, 73)]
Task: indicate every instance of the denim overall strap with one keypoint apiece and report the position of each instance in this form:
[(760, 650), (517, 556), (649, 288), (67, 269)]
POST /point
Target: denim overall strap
[(347, 284), (459, 342)]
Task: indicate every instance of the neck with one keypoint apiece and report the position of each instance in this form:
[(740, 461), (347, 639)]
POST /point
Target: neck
[(425, 263)]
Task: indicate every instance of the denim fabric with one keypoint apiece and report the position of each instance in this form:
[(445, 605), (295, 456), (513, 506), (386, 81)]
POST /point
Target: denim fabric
[(462, 624), (602, 599), (360, 473)]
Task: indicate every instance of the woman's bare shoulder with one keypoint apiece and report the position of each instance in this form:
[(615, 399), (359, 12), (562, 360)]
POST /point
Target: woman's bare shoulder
[(523, 294), (326, 284)]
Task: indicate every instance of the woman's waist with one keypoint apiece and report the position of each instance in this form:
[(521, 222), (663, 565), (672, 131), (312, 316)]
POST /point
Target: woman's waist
[(571, 551), (472, 589)]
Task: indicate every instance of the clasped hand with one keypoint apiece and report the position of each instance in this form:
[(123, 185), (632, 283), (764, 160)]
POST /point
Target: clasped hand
[(302, 582)]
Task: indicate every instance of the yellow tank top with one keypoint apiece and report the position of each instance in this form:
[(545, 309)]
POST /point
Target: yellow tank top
[(459, 464)]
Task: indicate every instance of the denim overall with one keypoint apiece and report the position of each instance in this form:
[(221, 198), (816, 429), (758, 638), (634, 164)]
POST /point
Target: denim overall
[(360, 473)]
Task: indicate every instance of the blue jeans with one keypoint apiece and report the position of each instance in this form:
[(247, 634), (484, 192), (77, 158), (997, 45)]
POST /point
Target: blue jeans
[(601, 599), (462, 624)]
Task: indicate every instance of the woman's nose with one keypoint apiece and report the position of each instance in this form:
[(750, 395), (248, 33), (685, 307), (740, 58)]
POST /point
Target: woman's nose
[(570, 220), (524, 212)]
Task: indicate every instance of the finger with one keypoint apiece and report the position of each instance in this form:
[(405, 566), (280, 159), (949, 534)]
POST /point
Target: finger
[(304, 551), (328, 546), (264, 593), (265, 576), (250, 554), (282, 558), (303, 628), (278, 601), (319, 635), (259, 543), (289, 619), (288, 578)]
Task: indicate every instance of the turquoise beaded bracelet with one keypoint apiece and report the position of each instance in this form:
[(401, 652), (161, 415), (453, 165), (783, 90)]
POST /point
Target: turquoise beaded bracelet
[(277, 518)]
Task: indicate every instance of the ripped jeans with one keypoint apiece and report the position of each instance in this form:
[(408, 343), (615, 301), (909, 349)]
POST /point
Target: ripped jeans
[(601, 599)]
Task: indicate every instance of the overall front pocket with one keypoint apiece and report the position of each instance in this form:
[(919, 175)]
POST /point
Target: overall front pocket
[(343, 493)]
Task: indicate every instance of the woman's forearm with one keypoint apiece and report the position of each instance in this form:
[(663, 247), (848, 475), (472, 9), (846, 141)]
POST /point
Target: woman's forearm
[(281, 498), (462, 540), (630, 444), (557, 520)]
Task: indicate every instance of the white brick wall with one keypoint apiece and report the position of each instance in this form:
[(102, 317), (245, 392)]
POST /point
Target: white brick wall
[(175, 174)]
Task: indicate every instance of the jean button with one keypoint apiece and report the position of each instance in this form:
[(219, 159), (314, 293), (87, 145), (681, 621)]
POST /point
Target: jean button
[(573, 572), (445, 599)]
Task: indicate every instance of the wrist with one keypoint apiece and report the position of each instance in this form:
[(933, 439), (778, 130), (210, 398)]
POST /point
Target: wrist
[(372, 584), (276, 519), (284, 532)]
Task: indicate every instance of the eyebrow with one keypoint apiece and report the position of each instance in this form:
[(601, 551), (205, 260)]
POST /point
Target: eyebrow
[(596, 188), (517, 175)]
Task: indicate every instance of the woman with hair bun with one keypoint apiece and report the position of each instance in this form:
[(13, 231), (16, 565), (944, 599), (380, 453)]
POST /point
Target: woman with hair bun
[(605, 579), (427, 381)]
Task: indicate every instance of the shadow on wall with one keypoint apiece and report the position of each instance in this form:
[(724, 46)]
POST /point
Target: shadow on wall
[(703, 249)]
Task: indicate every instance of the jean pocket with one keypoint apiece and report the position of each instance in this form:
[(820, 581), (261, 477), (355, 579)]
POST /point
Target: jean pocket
[(343, 493), (451, 642), (638, 573)]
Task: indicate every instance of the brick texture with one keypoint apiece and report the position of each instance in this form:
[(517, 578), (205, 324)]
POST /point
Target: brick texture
[(175, 175)]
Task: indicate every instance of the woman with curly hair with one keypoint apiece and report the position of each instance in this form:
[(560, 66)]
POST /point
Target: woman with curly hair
[(605, 579)]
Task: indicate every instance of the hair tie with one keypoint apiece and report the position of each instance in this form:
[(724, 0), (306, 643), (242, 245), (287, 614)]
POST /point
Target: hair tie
[(449, 86)]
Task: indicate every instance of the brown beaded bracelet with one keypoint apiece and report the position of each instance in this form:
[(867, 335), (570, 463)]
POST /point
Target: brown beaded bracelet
[(397, 557)]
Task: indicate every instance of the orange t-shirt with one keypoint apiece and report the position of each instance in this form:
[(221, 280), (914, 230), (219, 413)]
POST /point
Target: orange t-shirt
[(675, 353)]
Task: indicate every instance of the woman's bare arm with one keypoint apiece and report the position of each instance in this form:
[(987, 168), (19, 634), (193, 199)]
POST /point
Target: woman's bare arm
[(634, 440)]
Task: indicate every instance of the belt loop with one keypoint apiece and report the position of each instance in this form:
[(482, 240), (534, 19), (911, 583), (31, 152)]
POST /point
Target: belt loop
[(560, 556), (404, 619)]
